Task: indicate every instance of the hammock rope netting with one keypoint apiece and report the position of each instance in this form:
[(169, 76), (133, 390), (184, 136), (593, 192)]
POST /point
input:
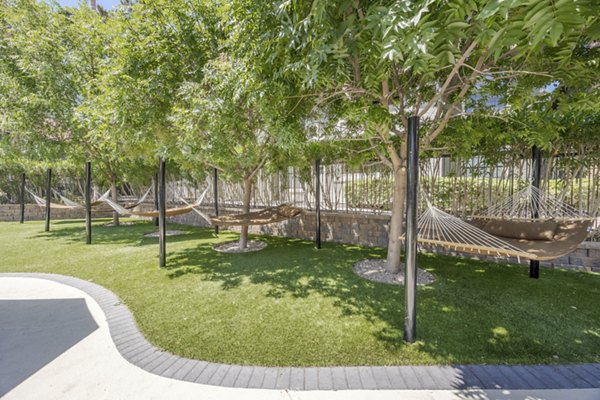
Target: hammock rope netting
[(507, 228), (526, 201), (267, 216), (67, 203), (262, 217)]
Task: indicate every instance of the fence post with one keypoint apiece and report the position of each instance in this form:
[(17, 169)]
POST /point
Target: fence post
[(22, 199), (88, 202), (216, 195), (162, 224), (318, 201), (48, 199), (410, 269), (536, 173)]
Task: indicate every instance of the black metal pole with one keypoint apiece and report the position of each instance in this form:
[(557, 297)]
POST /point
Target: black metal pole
[(48, 198), (410, 269), (155, 197), (22, 199), (318, 202), (536, 174), (162, 223), (216, 195), (88, 202)]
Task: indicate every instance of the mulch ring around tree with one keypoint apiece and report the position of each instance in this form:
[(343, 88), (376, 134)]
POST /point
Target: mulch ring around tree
[(234, 247), (374, 270), (167, 233), (112, 225)]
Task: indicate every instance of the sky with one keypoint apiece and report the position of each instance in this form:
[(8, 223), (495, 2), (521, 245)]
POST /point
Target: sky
[(106, 4)]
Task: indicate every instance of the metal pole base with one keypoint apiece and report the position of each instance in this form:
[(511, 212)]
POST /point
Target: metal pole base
[(534, 269)]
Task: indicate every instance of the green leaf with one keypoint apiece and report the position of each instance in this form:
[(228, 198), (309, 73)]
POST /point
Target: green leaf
[(555, 33), (457, 25)]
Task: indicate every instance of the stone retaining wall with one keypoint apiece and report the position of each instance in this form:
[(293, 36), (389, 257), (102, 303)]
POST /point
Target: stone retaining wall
[(372, 230), (33, 212), (360, 229)]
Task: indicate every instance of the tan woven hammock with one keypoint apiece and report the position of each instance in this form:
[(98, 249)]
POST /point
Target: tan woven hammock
[(267, 216), (535, 239), (169, 212), (563, 238)]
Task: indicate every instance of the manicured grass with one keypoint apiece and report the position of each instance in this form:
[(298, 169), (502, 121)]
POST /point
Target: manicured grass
[(293, 305)]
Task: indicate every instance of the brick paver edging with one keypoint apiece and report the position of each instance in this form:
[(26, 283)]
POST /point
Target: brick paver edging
[(137, 350)]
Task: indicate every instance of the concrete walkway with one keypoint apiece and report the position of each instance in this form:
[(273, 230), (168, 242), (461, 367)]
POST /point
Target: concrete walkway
[(63, 338)]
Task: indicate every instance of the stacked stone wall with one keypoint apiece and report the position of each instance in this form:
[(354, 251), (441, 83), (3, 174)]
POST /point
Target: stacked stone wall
[(359, 229), (33, 212), (372, 230)]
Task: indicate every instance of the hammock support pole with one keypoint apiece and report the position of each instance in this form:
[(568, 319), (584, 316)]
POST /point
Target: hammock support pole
[(155, 182), (536, 173), (410, 269), (48, 198), (216, 195), (318, 202), (22, 198), (88, 202), (162, 223)]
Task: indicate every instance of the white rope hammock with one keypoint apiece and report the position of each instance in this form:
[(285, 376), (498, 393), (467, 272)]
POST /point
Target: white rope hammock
[(522, 203), (102, 197), (73, 204), (439, 228), (194, 209), (39, 201), (513, 231), (189, 207), (42, 202), (67, 202), (141, 199), (117, 207)]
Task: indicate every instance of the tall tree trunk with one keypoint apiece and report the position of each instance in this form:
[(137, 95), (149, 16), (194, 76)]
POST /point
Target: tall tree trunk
[(397, 221), (114, 195), (246, 209)]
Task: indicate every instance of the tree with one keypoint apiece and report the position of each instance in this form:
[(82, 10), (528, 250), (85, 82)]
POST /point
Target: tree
[(156, 47), (234, 123), (55, 92), (36, 92), (382, 61)]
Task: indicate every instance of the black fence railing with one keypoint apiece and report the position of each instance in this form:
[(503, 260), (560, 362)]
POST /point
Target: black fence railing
[(462, 187)]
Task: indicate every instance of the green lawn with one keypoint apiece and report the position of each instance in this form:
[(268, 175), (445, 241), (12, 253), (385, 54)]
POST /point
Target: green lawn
[(293, 305)]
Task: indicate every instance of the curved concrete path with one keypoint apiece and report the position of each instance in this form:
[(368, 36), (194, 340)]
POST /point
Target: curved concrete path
[(111, 337)]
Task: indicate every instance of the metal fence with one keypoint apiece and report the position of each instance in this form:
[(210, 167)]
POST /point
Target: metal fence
[(462, 187)]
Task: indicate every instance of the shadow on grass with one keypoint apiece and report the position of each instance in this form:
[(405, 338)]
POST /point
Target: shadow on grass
[(475, 311), (130, 233), (292, 267)]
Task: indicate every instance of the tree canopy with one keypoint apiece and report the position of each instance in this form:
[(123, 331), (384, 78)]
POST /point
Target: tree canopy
[(243, 84)]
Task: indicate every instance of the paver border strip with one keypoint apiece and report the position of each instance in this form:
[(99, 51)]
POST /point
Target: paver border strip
[(134, 348)]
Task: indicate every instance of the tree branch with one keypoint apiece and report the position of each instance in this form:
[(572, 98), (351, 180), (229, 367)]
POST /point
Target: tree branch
[(434, 132), (450, 77)]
